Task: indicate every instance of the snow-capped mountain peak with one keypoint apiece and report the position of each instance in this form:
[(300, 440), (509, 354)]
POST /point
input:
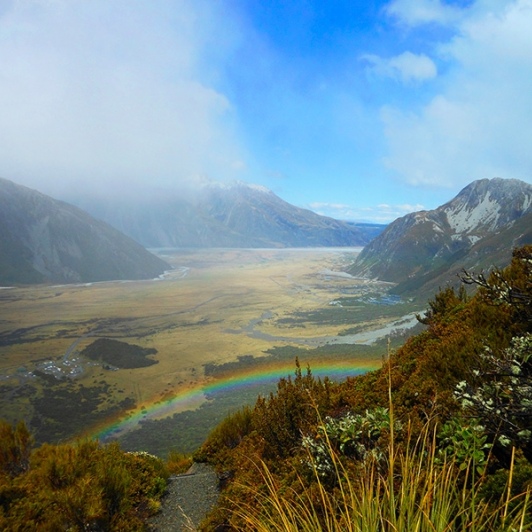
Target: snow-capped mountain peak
[(487, 205), (478, 228)]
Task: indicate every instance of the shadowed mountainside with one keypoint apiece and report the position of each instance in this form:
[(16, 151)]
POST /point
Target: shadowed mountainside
[(45, 240)]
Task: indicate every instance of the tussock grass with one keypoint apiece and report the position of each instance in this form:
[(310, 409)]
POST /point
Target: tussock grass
[(415, 493), (415, 489), (178, 463)]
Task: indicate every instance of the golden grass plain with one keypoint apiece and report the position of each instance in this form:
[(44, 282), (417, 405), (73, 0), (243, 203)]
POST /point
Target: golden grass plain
[(199, 313)]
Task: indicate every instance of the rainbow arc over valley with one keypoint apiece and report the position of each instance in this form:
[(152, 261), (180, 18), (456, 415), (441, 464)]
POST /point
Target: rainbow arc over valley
[(190, 398)]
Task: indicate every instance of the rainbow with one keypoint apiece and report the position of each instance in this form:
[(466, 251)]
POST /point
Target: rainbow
[(191, 398)]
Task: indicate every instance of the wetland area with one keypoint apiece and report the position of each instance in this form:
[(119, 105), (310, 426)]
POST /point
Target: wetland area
[(158, 363)]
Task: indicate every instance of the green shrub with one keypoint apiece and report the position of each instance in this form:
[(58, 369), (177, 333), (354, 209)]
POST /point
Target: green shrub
[(466, 443), (226, 436), (84, 486), (15, 448), (354, 436), (178, 463), (281, 419)]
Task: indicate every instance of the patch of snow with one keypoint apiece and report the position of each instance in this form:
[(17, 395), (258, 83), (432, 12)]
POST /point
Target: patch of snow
[(463, 220), (456, 237), (228, 185), (420, 217), (259, 188)]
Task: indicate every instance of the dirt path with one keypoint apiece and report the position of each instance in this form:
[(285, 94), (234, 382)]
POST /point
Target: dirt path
[(190, 497)]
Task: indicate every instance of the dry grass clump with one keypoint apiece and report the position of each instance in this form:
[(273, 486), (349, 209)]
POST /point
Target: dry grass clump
[(416, 489)]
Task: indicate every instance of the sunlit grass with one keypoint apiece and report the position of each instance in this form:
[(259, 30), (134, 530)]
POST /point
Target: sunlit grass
[(414, 488), (421, 495)]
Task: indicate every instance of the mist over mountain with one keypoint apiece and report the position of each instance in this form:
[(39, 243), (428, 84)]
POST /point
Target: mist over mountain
[(477, 229), (46, 240), (213, 214)]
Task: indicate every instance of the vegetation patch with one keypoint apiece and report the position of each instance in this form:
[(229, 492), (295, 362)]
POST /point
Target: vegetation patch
[(65, 410), (119, 354), (83, 486), (372, 299), (186, 431), (330, 351), (349, 311)]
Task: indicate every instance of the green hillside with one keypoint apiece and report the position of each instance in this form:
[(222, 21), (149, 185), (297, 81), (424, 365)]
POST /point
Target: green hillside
[(45, 240)]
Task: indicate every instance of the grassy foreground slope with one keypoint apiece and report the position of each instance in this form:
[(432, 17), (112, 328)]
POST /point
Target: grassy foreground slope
[(440, 438)]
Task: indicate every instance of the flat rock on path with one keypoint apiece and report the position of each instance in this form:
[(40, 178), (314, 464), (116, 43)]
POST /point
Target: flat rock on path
[(189, 499)]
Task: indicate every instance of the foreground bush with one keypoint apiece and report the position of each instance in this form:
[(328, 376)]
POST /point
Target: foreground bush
[(416, 492), (85, 486)]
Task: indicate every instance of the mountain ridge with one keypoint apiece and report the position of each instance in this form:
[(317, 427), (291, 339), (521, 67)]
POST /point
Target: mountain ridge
[(481, 225), (214, 214)]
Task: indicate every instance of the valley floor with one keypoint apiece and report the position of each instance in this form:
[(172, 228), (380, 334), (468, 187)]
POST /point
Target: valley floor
[(223, 309)]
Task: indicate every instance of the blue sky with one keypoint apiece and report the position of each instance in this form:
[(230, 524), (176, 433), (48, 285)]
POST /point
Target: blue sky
[(361, 110)]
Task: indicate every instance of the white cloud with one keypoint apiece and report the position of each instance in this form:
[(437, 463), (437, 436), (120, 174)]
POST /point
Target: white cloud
[(321, 205), (100, 92), (382, 213), (406, 67), (417, 12), (385, 213), (407, 207), (478, 125)]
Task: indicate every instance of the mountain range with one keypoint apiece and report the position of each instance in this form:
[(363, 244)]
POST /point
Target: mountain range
[(46, 240), (215, 214), (476, 230)]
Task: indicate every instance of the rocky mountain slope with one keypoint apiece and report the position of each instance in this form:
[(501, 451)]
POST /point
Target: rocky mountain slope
[(477, 229), (45, 240), (223, 215)]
